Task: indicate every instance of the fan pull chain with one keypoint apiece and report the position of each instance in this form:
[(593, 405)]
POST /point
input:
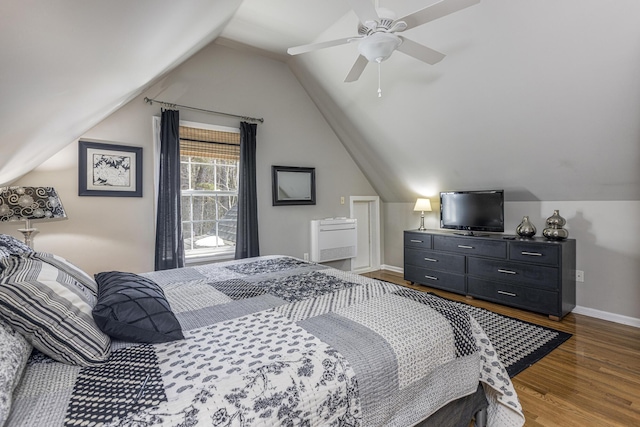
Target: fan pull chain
[(379, 71)]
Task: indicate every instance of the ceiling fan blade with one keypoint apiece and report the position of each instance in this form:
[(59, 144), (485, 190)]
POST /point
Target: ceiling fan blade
[(421, 52), (316, 46), (435, 11), (365, 10), (357, 69)]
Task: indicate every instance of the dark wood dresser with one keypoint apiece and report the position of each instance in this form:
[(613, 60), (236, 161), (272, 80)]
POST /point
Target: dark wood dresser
[(533, 274)]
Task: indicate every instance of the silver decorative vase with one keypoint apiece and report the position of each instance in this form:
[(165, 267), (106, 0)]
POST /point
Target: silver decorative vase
[(554, 230), (526, 228)]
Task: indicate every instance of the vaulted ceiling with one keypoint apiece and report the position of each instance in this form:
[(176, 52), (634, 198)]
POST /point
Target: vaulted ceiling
[(539, 98), (66, 65)]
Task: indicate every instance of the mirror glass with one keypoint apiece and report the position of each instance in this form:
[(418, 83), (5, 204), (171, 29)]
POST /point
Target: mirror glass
[(294, 186)]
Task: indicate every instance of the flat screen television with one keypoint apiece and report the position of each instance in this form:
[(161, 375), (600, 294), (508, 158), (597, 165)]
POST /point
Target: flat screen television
[(472, 211)]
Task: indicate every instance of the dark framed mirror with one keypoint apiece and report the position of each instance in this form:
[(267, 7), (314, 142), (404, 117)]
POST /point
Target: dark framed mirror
[(293, 185)]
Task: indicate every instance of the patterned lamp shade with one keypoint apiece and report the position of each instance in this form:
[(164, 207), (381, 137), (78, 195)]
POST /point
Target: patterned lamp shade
[(30, 203)]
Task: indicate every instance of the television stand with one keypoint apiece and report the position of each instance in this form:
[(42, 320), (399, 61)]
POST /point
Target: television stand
[(533, 274)]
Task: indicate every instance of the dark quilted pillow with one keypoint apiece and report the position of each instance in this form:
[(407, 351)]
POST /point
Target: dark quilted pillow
[(133, 308)]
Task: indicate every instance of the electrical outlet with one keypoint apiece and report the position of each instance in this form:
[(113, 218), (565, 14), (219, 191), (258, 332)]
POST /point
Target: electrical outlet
[(579, 276), (342, 200), (306, 256)]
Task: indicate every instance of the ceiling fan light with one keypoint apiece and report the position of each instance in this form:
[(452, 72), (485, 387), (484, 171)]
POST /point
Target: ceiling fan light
[(379, 46)]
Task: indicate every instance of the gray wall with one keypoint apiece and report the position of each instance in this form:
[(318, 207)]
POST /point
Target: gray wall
[(106, 233)]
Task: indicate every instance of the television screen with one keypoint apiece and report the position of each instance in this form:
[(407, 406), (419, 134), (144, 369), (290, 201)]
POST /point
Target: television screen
[(472, 210)]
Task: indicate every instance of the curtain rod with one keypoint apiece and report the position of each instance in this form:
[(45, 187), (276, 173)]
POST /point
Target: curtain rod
[(171, 105)]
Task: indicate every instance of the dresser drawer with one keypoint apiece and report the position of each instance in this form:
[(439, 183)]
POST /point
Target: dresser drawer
[(492, 248), (526, 274), (435, 260), (437, 279), (547, 254), (417, 240), (538, 300)]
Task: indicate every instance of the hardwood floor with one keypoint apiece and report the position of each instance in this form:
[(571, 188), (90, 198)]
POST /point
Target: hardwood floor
[(593, 379)]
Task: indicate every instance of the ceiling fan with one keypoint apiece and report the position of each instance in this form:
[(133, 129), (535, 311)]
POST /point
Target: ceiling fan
[(377, 34)]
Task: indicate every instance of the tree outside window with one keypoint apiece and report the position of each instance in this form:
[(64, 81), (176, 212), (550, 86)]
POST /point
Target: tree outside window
[(209, 188)]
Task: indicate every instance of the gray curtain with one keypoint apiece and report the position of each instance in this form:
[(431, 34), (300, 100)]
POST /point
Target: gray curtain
[(169, 242), (247, 229)]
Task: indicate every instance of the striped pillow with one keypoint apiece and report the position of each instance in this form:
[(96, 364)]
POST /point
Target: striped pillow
[(52, 311), (73, 271)]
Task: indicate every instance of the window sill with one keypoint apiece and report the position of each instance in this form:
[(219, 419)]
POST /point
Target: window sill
[(208, 258)]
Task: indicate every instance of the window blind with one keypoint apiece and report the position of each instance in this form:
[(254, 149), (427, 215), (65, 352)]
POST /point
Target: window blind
[(207, 143)]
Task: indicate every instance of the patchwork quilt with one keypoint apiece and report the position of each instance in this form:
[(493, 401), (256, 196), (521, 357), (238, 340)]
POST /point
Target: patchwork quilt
[(277, 341)]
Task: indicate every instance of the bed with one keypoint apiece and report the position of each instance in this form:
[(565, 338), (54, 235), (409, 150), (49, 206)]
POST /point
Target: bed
[(265, 341)]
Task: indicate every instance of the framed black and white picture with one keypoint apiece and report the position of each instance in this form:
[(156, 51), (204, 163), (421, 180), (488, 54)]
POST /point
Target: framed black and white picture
[(109, 170), (292, 185)]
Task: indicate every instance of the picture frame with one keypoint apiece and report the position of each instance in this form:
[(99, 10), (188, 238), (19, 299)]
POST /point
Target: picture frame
[(109, 170), (293, 185)]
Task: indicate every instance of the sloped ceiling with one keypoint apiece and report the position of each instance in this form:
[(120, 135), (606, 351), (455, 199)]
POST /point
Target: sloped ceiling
[(65, 65), (541, 98)]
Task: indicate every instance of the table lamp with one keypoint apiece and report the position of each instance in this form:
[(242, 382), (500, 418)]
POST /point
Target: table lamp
[(30, 203), (422, 205)]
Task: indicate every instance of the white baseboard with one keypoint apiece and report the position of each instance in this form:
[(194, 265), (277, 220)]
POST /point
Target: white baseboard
[(605, 315), (585, 311), (392, 268)]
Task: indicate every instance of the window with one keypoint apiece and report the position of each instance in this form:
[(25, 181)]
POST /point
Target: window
[(209, 165)]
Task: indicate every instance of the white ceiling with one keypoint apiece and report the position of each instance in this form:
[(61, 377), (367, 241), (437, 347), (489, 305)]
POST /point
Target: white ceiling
[(539, 98), (276, 25)]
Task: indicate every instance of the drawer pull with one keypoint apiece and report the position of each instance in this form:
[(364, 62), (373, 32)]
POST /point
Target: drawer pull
[(416, 241), (509, 294), (431, 260), (500, 270), (431, 277), (531, 253), (465, 247)]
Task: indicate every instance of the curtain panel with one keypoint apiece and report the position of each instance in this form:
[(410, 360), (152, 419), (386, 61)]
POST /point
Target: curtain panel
[(169, 242), (247, 245)]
